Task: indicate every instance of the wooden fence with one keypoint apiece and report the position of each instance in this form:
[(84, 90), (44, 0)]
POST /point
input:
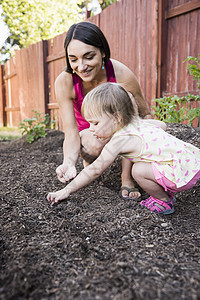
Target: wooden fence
[(151, 37)]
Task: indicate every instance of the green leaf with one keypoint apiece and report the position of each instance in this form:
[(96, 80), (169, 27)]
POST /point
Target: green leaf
[(35, 127), (175, 109)]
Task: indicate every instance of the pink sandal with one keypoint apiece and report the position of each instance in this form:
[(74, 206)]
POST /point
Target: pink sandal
[(164, 208), (147, 202)]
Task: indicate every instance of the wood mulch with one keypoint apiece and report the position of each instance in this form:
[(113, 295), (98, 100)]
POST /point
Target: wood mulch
[(94, 245)]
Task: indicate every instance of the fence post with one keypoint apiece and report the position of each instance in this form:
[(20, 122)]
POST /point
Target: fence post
[(3, 121), (162, 46), (46, 80)]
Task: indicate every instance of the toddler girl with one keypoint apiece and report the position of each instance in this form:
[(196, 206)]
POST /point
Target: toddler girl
[(163, 164)]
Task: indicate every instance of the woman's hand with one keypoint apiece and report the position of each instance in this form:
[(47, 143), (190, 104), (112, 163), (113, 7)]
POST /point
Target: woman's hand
[(66, 172), (56, 197)]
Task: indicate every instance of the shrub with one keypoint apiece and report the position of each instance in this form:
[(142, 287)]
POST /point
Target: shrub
[(174, 109), (35, 127), (194, 69)]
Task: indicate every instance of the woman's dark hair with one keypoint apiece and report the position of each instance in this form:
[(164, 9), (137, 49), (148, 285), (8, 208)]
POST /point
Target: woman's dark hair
[(87, 33)]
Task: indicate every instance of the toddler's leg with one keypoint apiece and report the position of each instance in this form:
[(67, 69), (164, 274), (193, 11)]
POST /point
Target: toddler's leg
[(159, 201), (143, 174)]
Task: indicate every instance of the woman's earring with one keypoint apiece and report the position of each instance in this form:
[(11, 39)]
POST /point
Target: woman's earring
[(103, 63), (73, 71)]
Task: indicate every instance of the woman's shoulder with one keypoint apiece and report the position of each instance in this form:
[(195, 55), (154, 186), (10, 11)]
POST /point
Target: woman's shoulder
[(119, 66), (122, 72), (64, 84), (64, 78)]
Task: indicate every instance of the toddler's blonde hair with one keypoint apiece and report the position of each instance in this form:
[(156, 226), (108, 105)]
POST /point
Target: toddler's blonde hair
[(111, 99)]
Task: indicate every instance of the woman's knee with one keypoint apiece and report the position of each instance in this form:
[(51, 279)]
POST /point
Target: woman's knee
[(87, 157), (91, 145)]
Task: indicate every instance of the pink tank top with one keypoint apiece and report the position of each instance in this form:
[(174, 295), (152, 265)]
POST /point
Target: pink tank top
[(78, 87)]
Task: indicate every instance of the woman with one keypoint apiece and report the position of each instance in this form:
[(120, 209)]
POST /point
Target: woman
[(89, 65)]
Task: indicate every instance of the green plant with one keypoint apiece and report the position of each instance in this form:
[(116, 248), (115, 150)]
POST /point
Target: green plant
[(194, 69), (174, 109), (35, 127)]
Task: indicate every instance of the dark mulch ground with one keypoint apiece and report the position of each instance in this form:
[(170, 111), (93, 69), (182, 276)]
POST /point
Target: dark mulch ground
[(93, 245)]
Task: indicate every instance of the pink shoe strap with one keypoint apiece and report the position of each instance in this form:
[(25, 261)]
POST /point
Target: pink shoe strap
[(166, 205)]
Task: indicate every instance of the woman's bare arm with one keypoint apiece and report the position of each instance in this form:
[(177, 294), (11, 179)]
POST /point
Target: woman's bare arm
[(126, 78), (71, 146)]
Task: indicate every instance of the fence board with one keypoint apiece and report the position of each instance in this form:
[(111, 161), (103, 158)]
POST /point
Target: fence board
[(183, 8), (56, 63), (131, 39), (2, 99), (31, 79), (179, 46), (12, 106)]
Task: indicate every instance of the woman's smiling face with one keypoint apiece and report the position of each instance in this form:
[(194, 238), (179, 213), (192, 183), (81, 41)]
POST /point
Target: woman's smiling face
[(85, 60)]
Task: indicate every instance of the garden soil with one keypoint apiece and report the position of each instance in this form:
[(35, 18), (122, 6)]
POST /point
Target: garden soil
[(94, 245)]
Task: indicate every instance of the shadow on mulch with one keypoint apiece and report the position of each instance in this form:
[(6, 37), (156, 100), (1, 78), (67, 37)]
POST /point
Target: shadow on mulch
[(94, 245)]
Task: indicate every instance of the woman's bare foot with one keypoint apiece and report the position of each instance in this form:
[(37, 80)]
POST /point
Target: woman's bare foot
[(129, 191)]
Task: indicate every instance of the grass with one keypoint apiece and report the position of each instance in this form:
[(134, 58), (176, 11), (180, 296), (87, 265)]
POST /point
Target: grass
[(9, 134)]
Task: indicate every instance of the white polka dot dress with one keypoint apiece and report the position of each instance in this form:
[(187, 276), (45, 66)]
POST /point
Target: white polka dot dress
[(176, 160)]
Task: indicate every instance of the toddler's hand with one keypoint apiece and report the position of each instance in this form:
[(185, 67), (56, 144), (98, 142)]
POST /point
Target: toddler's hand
[(56, 197), (65, 173)]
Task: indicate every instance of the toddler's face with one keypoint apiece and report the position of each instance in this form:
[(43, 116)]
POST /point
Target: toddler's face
[(103, 127)]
